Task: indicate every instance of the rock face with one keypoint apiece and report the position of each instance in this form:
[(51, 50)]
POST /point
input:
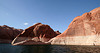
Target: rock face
[(36, 34), (83, 30), (7, 34), (57, 32)]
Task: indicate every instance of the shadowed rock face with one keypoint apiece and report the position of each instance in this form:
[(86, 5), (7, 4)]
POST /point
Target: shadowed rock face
[(7, 34), (83, 30), (57, 32), (36, 34)]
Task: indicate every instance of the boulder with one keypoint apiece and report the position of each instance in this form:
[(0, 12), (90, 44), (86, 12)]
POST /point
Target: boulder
[(83, 30), (36, 34), (7, 34)]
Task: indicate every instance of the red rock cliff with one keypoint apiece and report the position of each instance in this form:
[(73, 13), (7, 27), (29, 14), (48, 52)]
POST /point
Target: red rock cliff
[(7, 34), (36, 34), (83, 30)]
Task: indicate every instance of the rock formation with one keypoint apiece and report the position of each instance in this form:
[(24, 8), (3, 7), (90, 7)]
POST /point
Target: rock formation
[(83, 30), (36, 34), (7, 34), (57, 32)]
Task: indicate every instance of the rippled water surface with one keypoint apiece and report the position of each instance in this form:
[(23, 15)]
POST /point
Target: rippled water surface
[(8, 48)]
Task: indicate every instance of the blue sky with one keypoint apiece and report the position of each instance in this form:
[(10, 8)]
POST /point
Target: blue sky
[(56, 13)]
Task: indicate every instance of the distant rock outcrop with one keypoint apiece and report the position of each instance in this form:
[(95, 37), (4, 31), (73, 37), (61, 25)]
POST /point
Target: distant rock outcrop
[(36, 34), (57, 32), (7, 34), (83, 30)]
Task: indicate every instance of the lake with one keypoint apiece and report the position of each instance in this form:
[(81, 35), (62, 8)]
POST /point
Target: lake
[(8, 48)]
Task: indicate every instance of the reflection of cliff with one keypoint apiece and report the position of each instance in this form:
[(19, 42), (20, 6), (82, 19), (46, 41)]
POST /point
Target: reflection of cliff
[(7, 34), (83, 30), (36, 49)]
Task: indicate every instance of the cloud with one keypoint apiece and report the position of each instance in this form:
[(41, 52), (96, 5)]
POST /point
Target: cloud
[(25, 23)]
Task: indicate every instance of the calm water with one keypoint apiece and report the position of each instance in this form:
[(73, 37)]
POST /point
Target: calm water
[(8, 48)]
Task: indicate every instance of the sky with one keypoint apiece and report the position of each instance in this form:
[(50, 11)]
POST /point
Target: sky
[(58, 14)]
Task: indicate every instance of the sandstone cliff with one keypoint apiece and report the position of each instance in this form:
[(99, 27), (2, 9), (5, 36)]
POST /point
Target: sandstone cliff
[(7, 34), (36, 34), (83, 30)]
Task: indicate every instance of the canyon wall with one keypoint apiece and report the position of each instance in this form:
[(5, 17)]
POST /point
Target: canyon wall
[(36, 34), (83, 30), (7, 34)]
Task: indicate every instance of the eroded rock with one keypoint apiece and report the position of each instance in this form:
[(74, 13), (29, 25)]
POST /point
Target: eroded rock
[(83, 30), (7, 34), (36, 34)]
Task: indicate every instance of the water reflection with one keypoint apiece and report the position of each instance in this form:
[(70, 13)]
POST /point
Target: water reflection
[(8, 48), (35, 49), (60, 49)]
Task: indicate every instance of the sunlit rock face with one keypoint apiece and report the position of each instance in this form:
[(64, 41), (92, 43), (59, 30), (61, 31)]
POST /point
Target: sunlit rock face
[(7, 34), (36, 34), (83, 30)]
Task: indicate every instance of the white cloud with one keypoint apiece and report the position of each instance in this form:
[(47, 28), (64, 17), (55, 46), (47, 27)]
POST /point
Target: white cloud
[(25, 23)]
